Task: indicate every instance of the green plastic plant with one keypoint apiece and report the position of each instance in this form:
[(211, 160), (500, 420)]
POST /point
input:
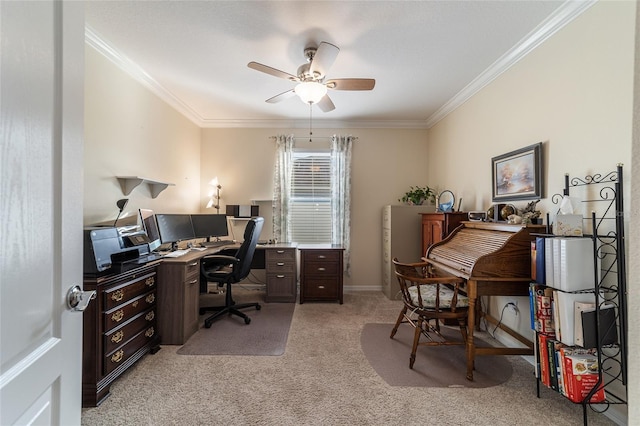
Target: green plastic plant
[(418, 195)]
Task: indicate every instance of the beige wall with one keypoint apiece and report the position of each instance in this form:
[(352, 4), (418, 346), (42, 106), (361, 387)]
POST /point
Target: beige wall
[(384, 164), (574, 93), (130, 132)]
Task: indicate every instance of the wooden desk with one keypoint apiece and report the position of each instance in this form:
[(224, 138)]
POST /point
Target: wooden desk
[(495, 287), (495, 260), (179, 286)]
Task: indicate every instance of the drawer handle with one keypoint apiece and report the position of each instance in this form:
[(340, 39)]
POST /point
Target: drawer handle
[(280, 276), (150, 316), (322, 256), (150, 281), (321, 286), (279, 251), (150, 332), (280, 263), (194, 264), (117, 295), (117, 357), (322, 269), (135, 304), (117, 315), (193, 281), (150, 298), (117, 338)]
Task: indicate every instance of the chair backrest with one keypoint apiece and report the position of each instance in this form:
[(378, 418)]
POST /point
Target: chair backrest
[(440, 295), (248, 248)]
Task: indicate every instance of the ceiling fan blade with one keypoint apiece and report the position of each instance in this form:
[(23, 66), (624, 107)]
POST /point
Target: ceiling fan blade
[(271, 71), (324, 57), (351, 84), (281, 97), (326, 104)]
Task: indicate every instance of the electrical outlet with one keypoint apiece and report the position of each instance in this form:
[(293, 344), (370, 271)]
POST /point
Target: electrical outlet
[(513, 306)]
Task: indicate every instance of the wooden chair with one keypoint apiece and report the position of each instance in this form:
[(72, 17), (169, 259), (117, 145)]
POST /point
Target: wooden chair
[(428, 300)]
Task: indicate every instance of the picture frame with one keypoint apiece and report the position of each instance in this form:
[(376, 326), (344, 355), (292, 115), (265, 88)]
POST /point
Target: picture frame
[(517, 175)]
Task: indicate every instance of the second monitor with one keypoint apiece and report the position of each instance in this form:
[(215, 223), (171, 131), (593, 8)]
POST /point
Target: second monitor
[(210, 225)]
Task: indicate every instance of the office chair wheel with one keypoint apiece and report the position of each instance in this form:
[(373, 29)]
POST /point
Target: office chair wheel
[(247, 320)]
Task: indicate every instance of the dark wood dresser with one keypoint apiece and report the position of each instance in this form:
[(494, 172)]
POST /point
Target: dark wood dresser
[(120, 326), (321, 273)]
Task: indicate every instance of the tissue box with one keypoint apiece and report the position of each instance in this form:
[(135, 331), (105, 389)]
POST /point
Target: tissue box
[(569, 225)]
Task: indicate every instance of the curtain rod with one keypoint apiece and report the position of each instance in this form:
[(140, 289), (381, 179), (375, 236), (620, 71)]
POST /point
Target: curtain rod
[(355, 138)]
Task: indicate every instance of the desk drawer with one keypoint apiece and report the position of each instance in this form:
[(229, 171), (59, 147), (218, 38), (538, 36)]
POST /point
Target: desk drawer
[(123, 313), (321, 289), (119, 356), (322, 255), (280, 255), (120, 335), (320, 269), (119, 294)]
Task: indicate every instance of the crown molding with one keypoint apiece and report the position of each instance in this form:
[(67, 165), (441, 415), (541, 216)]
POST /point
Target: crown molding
[(566, 13), (93, 39)]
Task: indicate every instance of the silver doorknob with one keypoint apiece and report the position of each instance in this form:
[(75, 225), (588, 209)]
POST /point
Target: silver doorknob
[(78, 300)]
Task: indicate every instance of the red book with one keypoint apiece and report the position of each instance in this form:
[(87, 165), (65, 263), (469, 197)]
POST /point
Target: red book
[(581, 369)]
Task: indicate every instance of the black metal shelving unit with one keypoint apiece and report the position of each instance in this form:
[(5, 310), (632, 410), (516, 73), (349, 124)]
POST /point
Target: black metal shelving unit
[(603, 197)]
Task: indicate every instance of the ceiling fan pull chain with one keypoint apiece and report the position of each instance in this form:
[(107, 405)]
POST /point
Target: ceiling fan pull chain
[(310, 120)]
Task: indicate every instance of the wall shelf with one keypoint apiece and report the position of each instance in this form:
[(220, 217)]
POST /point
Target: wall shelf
[(129, 183)]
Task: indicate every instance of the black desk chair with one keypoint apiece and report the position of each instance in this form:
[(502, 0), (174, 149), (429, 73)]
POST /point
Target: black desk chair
[(225, 269)]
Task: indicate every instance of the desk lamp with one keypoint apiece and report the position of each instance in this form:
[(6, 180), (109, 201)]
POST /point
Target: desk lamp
[(121, 205)]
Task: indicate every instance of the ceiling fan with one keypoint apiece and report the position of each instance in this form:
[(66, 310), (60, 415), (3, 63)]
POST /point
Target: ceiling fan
[(312, 87)]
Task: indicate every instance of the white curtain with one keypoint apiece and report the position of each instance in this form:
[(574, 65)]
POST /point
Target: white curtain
[(281, 186), (341, 195)]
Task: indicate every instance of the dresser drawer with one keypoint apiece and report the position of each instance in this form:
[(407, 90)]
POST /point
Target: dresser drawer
[(121, 335), (118, 357), (123, 313), (321, 269), (121, 293)]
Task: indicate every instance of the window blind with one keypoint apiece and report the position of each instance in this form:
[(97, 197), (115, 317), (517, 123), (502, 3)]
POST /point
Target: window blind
[(310, 202)]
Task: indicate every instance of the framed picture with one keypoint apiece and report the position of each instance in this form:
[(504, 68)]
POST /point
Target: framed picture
[(517, 175)]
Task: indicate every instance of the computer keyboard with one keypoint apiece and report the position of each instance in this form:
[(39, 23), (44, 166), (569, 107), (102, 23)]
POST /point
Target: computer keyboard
[(176, 253), (217, 243)]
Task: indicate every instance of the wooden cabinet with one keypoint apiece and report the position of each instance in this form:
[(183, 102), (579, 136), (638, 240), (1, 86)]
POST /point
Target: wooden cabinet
[(120, 326), (436, 227), (281, 273), (178, 296), (321, 273)]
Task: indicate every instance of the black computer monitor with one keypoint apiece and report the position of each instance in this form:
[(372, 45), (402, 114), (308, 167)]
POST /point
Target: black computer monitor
[(174, 228), (150, 227), (209, 225)]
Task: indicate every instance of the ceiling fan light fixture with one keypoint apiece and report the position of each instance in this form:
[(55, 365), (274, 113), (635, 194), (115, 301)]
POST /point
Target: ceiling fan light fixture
[(310, 92)]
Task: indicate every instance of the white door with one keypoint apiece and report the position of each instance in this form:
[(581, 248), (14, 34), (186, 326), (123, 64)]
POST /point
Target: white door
[(41, 123)]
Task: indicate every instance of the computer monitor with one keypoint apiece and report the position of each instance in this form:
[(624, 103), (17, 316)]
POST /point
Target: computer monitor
[(150, 227), (174, 228), (209, 225)]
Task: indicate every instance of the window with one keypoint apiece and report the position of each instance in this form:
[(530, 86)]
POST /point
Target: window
[(310, 203)]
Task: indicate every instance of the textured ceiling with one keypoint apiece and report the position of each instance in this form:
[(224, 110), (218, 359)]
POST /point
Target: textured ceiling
[(426, 56)]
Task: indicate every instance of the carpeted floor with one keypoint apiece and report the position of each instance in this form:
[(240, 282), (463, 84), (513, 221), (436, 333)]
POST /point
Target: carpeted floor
[(435, 366), (229, 335), (323, 378)]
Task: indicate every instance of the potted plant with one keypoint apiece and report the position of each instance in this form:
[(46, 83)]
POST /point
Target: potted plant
[(418, 195)]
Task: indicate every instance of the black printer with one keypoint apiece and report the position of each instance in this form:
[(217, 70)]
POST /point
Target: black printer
[(105, 249)]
